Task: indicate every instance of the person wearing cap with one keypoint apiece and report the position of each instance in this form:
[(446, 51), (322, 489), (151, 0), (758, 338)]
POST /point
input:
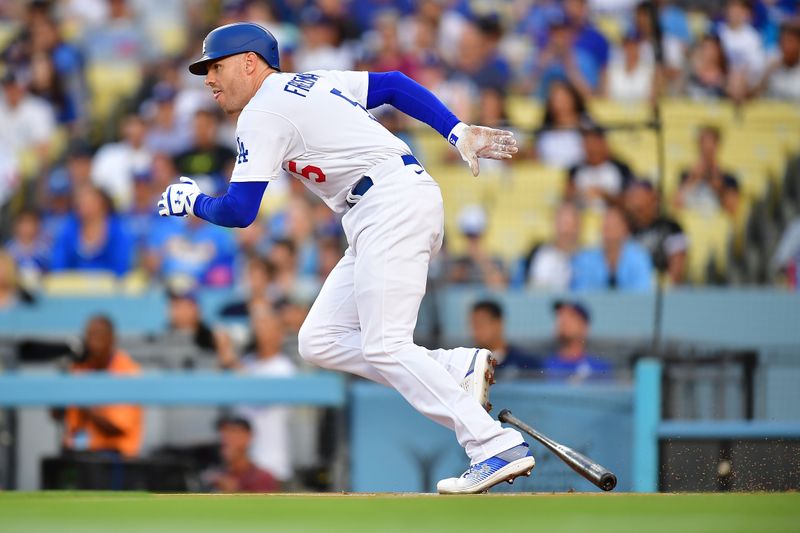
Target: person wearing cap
[(662, 236), (601, 178), (619, 263), (140, 218), (477, 265), (238, 472), (571, 361), (320, 45)]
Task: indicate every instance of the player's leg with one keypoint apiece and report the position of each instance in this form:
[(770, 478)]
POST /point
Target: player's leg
[(331, 334), (394, 231)]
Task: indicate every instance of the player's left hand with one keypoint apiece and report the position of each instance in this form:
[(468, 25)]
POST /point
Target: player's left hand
[(479, 141), (178, 200)]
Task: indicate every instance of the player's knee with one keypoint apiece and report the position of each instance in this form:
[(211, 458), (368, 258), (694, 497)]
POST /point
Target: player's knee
[(394, 348), (311, 343)]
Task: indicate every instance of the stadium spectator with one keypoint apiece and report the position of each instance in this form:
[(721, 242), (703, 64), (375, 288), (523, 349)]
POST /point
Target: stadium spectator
[(587, 36), (107, 429), (141, 219), (662, 236), (782, 78), (562, 61), (786, 259), (207, 161), (320, 46), (706, 186), (479, 57), (238, 472), (190, 247), (620, 263), (29, 122), (629, 77), (488, 331), (476, 266), (259, 284), (558, 141), (672, 46), (741, 41), (186, 321), (29, 248), (387, 53), (710, 76), (271, 447), (115, 39), (600, 179), (571, 361), (551, 264), (93, 238), (115, 164), (11, 293), (166, 133), (57, 205)]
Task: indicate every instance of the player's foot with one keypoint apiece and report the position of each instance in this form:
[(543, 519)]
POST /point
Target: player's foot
[(480, 376), (480, 477)]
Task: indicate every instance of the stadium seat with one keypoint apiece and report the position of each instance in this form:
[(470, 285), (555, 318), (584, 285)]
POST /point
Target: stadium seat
[(638, 148), (689, 113), (109, 85), (610, 26), (524, 112), (591, 224), (80, 283), (613, 112), (710, 237)]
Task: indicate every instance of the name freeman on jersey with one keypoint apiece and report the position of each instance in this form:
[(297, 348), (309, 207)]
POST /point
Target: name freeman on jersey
[(301, 84)]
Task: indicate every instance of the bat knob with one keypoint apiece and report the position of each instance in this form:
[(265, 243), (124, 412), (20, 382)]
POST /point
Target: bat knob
[(503, 415), (608, 481)]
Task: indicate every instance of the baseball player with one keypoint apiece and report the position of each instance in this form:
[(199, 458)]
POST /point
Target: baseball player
[(316, 126)]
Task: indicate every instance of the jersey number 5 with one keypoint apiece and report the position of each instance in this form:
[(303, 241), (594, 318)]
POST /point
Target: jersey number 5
[(308, 171)]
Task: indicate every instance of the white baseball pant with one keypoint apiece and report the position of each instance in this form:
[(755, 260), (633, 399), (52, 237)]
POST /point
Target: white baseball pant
[(364, 317)]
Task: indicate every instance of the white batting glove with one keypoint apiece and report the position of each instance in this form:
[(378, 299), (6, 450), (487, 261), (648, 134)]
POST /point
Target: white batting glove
[(178, 199), (473, 142)]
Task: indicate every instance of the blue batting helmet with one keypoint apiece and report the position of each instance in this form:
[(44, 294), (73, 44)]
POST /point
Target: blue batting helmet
[(237, 38)]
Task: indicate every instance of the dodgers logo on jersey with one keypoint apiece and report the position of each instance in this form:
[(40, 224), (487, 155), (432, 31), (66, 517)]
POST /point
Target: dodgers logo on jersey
[(241, 157)]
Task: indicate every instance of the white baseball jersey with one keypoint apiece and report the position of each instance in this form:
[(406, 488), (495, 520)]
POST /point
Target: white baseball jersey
[(315, 126)]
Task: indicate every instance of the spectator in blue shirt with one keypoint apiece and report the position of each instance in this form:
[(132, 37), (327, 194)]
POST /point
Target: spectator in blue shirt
[(587, 37), (619, 263), (571, 361), (562, 60), (191, 248), (29, 248), (93, 238)]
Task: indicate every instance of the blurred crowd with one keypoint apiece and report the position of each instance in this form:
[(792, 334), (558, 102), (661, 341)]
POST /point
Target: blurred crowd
[(100, 114)]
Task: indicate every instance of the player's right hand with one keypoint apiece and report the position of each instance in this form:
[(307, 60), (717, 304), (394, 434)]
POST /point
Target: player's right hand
[(479, 141), (178, 200)]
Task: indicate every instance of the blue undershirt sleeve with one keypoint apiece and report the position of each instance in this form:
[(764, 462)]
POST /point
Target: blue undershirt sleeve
[(237, 208), (403, 93)]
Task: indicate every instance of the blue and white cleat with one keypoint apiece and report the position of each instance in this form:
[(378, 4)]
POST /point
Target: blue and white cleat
[(480, 376), (505, 466)]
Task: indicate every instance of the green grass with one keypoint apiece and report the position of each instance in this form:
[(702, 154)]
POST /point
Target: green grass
[(134, 512)]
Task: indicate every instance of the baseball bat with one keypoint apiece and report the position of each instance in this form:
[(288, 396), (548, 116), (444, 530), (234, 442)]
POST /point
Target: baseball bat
[(592, 471)]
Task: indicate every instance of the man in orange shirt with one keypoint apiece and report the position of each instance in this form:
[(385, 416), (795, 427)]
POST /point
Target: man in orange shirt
[(111, 428)]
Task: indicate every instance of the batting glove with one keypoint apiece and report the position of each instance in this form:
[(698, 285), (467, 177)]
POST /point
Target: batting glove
[(473, 142), (178, 200)]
